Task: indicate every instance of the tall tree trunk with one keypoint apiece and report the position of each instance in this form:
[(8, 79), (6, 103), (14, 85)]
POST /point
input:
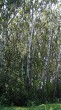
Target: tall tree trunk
[(58, 55), (1, 42), (49, 46), (29, 49), (46, 77), (4, 34), (5, 22)]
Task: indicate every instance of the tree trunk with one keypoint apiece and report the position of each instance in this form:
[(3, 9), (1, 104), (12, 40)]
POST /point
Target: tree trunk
[(58, 55), (49, 47), (4, 34), (46, 77), (29, 49)]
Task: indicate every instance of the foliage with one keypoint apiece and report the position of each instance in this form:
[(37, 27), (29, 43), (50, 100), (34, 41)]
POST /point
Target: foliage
[(30, 52)]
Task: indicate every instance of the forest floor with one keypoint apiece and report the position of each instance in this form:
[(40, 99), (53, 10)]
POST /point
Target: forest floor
[(40, 107)]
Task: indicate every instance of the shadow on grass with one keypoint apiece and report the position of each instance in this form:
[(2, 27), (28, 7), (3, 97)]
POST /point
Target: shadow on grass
[(7, 108), (13, 108)]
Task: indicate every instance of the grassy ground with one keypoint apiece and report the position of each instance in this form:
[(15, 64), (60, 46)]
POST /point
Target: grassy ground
[(40, 107)]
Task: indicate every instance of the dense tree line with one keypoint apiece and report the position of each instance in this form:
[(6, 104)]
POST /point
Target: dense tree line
[(30, 51)]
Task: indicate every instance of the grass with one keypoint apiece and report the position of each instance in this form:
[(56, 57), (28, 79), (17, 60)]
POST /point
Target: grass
[(40, 107)]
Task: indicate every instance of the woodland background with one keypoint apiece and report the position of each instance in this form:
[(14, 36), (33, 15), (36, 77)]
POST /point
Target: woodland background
[(30, 52)]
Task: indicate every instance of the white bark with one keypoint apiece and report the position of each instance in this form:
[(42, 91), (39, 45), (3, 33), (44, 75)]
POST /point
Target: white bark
[(4, 34), (49, 45), (1, 43), (28, 54), (29, 48)]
